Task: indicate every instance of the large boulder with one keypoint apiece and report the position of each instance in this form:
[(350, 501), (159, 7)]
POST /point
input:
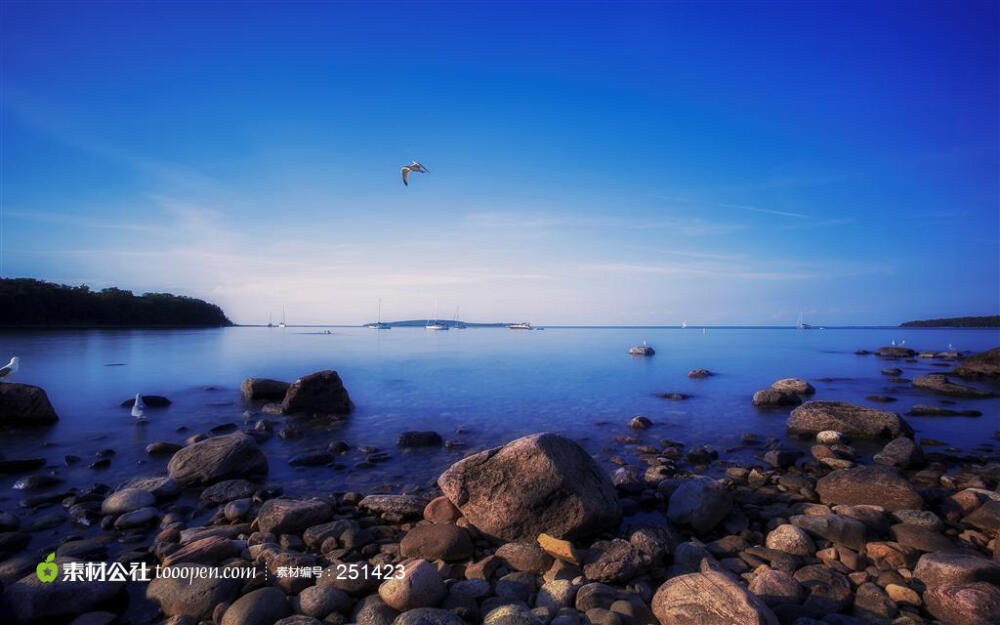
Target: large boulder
[(23, 404), (539, 483), (874, 485), (940, 384), (709, 598), (217, 458), (985, 365), (254, 389), (814, 417), (320, 393), (31, 600), (700, 502)]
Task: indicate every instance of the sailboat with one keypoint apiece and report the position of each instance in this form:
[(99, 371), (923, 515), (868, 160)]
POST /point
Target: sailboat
[(802, 325), (378, 325), (282, 323), (435, 325), (684, 324), (270, 323), (455, 323)]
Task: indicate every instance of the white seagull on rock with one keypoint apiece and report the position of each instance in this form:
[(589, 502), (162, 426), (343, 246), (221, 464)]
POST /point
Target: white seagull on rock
[(414, 166), (10, 369), (139, 408)]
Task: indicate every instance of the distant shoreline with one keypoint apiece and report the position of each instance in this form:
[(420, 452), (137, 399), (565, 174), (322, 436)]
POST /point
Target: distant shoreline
[(992, 321)]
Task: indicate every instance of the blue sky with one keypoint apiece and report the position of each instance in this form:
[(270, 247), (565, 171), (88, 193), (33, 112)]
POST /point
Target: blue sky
[(590, 163)]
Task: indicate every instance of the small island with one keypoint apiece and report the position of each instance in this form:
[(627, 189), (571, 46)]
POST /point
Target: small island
[(992, 321), (26, 302)]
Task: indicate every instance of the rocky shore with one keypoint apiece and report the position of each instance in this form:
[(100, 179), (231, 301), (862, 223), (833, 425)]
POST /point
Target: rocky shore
[(869, 526)]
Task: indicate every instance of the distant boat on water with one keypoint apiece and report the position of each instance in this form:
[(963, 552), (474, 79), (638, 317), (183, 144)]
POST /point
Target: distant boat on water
[(270, 323), (802, 325), (520, 326), (684, 324), (282, 323), (435, 324), (378, 325)]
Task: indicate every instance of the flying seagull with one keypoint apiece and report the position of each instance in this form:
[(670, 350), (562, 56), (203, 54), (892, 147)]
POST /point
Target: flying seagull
[(138, 408), (10, 369), (414, 166)]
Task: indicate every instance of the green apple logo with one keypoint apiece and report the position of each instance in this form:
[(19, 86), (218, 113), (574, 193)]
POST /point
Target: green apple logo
[(48, 570)]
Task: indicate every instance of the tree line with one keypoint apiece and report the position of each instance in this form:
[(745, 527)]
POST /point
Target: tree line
[(28, 302)]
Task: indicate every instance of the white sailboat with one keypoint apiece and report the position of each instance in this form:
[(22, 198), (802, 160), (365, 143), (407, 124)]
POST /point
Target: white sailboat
[(802, 325), (378, 325), (684, 324), (435, 325), (281, 324)]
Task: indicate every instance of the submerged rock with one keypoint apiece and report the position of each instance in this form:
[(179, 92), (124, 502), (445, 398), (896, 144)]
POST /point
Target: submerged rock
[(985, 365), (921, 410), (535, 484), (699, 373), (30, 600), (23, 404), (940, 384), (419, 439), (857, 421), (775, 397), (641, 350), (895, 352)]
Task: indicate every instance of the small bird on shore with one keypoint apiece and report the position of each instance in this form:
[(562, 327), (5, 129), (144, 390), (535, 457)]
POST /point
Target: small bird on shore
[(10, 369), (414, 166), (139, 408)]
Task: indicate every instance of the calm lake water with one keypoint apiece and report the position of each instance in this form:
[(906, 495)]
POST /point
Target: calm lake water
[(479, 386)]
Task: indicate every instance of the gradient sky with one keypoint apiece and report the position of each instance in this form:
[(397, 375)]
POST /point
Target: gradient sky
[(590, 163)]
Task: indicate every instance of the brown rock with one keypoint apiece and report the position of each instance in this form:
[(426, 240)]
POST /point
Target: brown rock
[(709, 598), (441, 510), (524, 557), (438, 541), (814, 417), (873, 485), (23, 404), (254, 389), (286, 516), (940, 384), (977, 603), (937, 568), (419, 587), (320, 393), (559, 549), (539, 483), (217, 458)]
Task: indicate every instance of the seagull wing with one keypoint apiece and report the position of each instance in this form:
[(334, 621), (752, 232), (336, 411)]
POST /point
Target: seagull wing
[(421, 167), (406, 175), (6, 371)]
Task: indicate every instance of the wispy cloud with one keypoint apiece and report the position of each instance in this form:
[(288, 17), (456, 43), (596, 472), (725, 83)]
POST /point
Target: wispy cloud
[(755, 209)]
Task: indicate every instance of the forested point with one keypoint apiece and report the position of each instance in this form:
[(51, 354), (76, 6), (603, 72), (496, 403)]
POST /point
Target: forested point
[(28, 302), (956, 322)]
